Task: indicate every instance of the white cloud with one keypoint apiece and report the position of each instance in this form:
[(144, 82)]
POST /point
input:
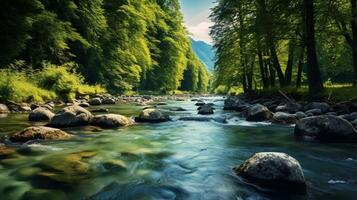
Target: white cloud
[(201, 31)]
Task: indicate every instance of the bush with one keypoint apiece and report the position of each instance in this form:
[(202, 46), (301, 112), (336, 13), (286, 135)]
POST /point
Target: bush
[(17, 87), (64, 83)]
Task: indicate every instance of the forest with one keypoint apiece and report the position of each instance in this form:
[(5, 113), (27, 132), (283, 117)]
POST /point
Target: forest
[(69, 48), (285, 44)]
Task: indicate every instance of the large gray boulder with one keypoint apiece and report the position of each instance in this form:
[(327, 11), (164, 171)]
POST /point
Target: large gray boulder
[(41, 114), (152, 116), (258, 113), (39, 133), (236, 104), (326, 128), (95, 101), (273, 170), (4, 109), (289, 108), (71, 116), (324, 107), (110, 121), (284, 118)]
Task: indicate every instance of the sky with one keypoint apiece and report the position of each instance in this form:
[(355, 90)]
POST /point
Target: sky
[(196, 13)]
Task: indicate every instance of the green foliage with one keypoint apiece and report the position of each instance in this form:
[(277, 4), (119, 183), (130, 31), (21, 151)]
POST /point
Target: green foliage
[(63, 82)]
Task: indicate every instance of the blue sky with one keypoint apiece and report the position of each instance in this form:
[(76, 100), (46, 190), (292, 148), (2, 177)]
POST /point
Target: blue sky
[(196, 19)]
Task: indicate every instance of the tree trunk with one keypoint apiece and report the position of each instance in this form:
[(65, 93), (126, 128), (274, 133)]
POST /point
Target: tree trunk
[(313, 70), (299, 68), (262, 70), (354, 36), (289, 66)]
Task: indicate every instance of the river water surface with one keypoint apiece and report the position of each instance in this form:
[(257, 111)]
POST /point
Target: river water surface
[(173, 160)]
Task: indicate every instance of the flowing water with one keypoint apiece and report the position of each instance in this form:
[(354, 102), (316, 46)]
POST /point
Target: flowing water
[(173, 160)]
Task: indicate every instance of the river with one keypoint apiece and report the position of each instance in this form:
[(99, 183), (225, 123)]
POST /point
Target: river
[(173, 160)]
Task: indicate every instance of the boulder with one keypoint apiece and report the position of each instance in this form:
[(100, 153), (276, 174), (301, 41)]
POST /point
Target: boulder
[(205, 110), (177, 109), (300, 115), (39, 133), (152, 116), (273, 170), (4, 109), (289, 108), (34, 106), (326, 128), (200, 103), (40, 114), (258, 112), (284, 118), (314, 112), (18, 107), (110, 121), (232, 103), (84, 105), (48, 106), (350, 117), (71, 116), (324, 107), (109, 101), (95, 101), (161, 103)]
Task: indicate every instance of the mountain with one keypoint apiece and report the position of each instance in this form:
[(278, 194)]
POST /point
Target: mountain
[(205, 53)]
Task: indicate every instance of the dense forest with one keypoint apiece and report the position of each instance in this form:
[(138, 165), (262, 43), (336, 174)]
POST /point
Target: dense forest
[(264, 44), (65, 48)]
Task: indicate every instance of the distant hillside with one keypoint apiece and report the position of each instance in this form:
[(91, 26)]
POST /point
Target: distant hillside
[(205, 52)]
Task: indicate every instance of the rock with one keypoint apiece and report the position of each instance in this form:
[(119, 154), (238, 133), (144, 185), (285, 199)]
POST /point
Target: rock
[(200, 103), (231, 103), (100, 110), (323, 107), (4, 109), (18, 107), (39, 133), (300, 115), (71, 116), (350, 117), (273, 170), (258, 113), (284, 118), (6, 152), (95, 101), (326, 129), (314, 112), (331, 113), (161, 104), (40, 114), (114, 165), (84, 105), (34, 106), (177, 109), (289, 108), (109, 101), (110, 121), (205, 110), (65, 169), (152, 116), (354, 123)]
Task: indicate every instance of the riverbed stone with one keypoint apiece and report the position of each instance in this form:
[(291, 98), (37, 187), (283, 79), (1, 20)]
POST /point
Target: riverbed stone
[(273, 170), (39, 133), (300, 115), (84, 105), (95, 101), (40, 114), (314, 112), (326, 128), (110, 121), (200, 103), (71, 116), (4, 109), (152, 115), (258, 112), (284, 118), (205, 110), (322, 106), (109, 101), (289, 108)]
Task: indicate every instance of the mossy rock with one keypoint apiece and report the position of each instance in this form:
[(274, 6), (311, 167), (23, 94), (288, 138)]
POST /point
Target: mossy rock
[(65, 169), (25, 173)]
